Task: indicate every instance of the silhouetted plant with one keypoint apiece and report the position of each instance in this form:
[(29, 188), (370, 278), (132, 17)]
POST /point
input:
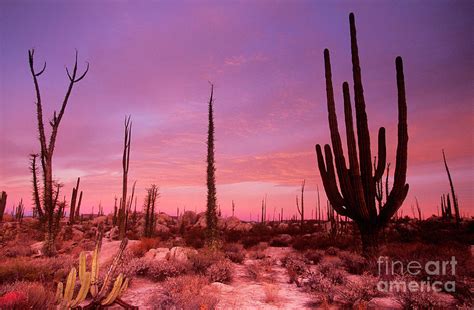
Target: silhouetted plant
[(122, 212), (211, 210), (47, 147), (150, 216), (453, 194), (356, 199), (301, 210), (3, 204), (72, 209)]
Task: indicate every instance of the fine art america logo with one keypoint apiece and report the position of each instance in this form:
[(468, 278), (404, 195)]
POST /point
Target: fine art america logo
[(401, 274)]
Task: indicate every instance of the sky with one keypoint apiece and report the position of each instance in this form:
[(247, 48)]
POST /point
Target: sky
[(153, 60)]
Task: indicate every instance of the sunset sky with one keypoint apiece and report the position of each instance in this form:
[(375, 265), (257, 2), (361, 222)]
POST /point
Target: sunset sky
[(153, 60)]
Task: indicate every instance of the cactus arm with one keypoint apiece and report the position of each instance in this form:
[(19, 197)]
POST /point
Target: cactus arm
[(114, 292), (94, 272), (69, 290), (82, 294), (356, 180), (365, 156), (59, 293), (400, 188), (82, 266), (123, 288), (340, 161), (382, 156), (329, 179)]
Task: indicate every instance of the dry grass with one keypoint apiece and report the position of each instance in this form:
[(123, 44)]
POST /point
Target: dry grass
[(220, 271), (28, 269), (26, 295), (271, 293), (186, 292)]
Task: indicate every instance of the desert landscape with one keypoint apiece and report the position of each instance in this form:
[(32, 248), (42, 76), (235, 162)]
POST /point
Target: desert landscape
[(350, 240)]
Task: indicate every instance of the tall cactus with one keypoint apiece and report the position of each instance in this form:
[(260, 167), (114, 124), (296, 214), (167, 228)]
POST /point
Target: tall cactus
[(301, 209), (3, 204), (356, 198), (72, 213)]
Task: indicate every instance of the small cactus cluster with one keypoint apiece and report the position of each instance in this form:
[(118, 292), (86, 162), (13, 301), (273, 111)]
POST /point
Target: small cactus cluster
[(90, 283)]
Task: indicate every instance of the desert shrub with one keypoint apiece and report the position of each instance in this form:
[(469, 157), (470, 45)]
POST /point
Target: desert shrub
[(318, 284), (421, 300), (254, 271), (28, 269), (137, 267), (220, 271), (353, 262), (332, 251), (327, 267), (18, 250), (259, 233), (195, 237), (324, 241), (258, 251), (26, 295), (233, 236), (364, 290), (235, 252), (271, 293), (162, 270), (145, 244), (203, 259), (423, 253), (185, 292), (295, 265), (314, 256)]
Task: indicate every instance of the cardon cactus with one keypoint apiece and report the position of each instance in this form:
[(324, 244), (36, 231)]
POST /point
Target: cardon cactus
[(64, 297), (355, 196), (101, 297)]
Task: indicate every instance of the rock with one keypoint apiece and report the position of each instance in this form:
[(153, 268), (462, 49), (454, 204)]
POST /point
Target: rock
[(157, 254), (110, 249), (283, 226), (99, 220), (161, 228), (37, 248), (221, 287), (201, 222), (384, 303), (180, 253), (113, 234), (164, 219), (77, 235)]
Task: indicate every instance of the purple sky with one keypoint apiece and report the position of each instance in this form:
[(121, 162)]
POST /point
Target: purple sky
[(153, 60)]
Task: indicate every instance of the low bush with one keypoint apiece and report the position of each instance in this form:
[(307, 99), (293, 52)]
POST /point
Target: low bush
[(353, 262), (162, 270), (139, 249), (28, 269), (363, 291), (220, 271), (314, 256), (332, 251), (195, 237), (185, 292), (235, 252), (26, 295), (203, 259)]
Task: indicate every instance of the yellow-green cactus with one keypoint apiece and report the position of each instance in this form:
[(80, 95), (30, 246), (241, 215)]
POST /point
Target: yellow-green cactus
[(65, 299)]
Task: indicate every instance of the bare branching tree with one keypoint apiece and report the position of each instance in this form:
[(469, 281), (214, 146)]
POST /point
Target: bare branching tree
[(47, 145)]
